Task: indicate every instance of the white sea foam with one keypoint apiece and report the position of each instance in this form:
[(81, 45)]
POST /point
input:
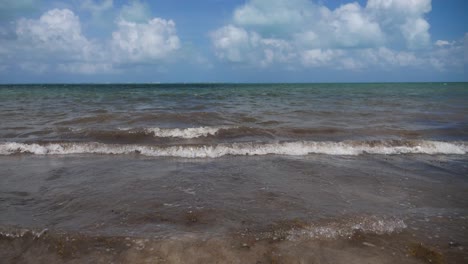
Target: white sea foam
[(191, 132), (17, 233), (332, 230), (213, 151)]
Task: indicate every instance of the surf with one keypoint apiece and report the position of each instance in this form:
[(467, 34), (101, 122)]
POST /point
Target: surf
[(296, 148)]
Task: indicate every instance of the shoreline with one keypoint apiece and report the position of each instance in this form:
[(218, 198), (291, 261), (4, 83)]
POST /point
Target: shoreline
[(340, 209)]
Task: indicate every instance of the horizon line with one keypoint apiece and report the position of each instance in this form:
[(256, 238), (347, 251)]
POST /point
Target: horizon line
[(229, 83)]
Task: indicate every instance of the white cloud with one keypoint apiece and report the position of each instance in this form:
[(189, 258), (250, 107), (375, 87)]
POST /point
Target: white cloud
[(416, 33), (154, 40), (231, 42), (450, 55), (57, 24), (359, 59), (55, 42), (441, 43), (274, 17), (386, 57), (237, 45), (349, 26), (315, 26), (97, 8), (403, 18), (57, 32), (401, 7), (319, 57), (349, 37), (135, 11)]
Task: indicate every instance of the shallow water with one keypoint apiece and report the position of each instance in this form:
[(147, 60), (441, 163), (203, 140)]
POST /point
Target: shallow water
[(248, 205), (348, 173)]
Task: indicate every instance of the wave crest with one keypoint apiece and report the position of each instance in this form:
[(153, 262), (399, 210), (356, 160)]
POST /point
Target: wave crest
[(187, 133), (369, 225), (298, 148)]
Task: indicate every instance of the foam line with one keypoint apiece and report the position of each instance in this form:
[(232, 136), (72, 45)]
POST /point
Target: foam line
[(297, 148), (187, 133)]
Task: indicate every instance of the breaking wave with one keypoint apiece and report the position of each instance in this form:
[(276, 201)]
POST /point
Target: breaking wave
[(369, 225), (298, 148), (191, 132), (334, 229)]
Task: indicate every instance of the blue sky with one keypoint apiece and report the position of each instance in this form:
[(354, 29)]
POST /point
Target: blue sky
[(233, 41)]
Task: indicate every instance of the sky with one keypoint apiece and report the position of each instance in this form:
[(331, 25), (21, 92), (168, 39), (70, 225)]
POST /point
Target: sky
[(114, 41)]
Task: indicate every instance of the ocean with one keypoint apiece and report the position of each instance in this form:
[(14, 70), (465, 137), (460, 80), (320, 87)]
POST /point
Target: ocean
[(234, 173)]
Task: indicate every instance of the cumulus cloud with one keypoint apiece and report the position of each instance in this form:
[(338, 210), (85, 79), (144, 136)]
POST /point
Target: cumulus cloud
[(359, 59), (311, 24), (153, 40), (320, 57), (385, 57), (450, 55), (135, 11), (230, 43), (274, 17), (403, 18), (235, 44), (263, 32), (441, 43), (56, 31), (348, 26), (55, 42), (416, 33)]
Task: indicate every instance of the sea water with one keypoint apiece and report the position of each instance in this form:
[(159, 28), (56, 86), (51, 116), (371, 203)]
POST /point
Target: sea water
[(235, 173)]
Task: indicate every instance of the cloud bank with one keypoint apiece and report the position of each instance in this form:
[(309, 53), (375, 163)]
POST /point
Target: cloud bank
[(55, 42), (383, 33), (93, 37)]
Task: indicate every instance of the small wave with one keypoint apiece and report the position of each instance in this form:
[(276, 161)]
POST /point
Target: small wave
[(298, 148), (88, 119), (187, 133), (346, 227), (18, 233), (369, 225), (185, 117)]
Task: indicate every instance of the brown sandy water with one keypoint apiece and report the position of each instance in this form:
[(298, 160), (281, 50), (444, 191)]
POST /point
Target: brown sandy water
[(234, 209), (234, 173)]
